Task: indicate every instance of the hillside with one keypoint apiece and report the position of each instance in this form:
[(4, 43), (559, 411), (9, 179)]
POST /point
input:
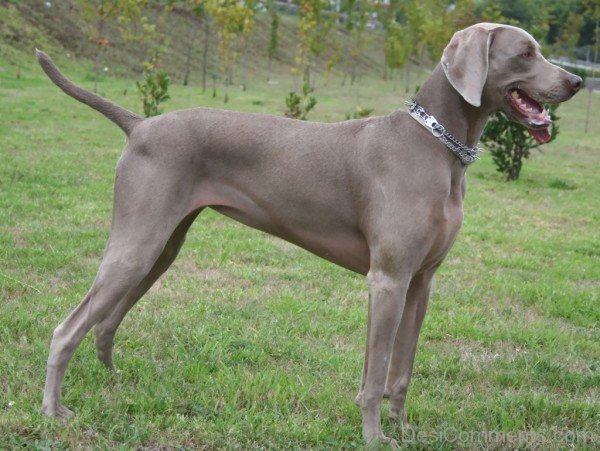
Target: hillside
[(61, 30)]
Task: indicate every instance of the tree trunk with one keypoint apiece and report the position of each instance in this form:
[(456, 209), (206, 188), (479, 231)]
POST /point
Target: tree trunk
[(269, 69), (307, 74), (228, 81), (188, 58), (588, 110), (96, 70), (590, 93), (205, 54), (244, 66), (98, 54), (346, 58)]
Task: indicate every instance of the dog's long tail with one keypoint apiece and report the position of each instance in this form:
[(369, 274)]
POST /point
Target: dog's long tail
[(119, 115)]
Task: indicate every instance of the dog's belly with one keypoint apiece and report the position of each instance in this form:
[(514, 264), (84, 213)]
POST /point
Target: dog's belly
[(309, 223), (343, 247)]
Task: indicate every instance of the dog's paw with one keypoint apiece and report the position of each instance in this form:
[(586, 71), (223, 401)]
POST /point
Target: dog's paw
[(382, 442), (57, 411), (399, 417)]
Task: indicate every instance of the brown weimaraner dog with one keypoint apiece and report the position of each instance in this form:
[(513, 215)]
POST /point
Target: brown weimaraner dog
[(380, 196)]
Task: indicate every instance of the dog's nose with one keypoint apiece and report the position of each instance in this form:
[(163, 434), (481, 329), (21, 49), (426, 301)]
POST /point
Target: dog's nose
[(575, 82)]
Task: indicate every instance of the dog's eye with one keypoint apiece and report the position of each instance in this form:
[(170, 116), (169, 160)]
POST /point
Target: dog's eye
[(528, 54)]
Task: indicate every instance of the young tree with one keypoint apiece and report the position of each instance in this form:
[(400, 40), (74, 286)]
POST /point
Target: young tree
[(234, 20), (313, 28), (434, 22), (161, 38), (394, 47), (569, 37), (132, 23), (188, 55), (273, 34), (347, 10), (197, 10), (335, 54), (540, 24), (205, 47), (429, 26), (413, 19), (592, 9), (154, 88), (135, 27), (386, 14), (95, 14), (356, 16)]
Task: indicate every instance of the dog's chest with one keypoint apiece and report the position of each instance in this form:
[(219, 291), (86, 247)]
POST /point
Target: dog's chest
[(445, 228)]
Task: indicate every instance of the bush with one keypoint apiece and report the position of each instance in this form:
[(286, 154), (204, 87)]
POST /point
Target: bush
[(154, 91), (359, 113), (509, 143), (299, 106)]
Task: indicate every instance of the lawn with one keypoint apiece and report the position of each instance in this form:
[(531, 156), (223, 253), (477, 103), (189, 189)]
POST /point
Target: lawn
[(250, 342)]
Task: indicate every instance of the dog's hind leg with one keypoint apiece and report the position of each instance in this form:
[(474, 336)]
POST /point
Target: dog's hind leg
[(104, 331), (149, 206), (120, 272)]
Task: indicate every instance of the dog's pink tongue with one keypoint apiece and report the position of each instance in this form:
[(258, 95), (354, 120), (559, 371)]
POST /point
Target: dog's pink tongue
[(542, 136)]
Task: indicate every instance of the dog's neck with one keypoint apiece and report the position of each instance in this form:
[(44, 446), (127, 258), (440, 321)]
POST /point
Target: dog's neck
[(441, 100)]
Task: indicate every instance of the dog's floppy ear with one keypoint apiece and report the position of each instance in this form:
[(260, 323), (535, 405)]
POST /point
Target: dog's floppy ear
[(465, 62)]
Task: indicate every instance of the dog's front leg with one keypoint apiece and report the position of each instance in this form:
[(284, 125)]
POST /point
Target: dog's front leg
[(387, 294), (405, 344)]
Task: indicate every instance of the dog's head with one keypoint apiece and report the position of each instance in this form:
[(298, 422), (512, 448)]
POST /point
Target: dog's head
[(501, 68)]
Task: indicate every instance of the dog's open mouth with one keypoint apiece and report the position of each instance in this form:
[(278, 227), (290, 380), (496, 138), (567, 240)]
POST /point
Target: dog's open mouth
[(536, 116)]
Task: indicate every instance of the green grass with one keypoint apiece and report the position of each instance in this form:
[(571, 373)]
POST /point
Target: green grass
[(249, 342)]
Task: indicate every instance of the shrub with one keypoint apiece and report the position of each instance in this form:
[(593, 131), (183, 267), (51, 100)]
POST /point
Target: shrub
[(299, 106), (359, 113), (509, 143), (154, 91)]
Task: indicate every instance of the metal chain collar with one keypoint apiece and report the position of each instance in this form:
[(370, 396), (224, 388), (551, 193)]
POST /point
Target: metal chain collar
[(466, 154)]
